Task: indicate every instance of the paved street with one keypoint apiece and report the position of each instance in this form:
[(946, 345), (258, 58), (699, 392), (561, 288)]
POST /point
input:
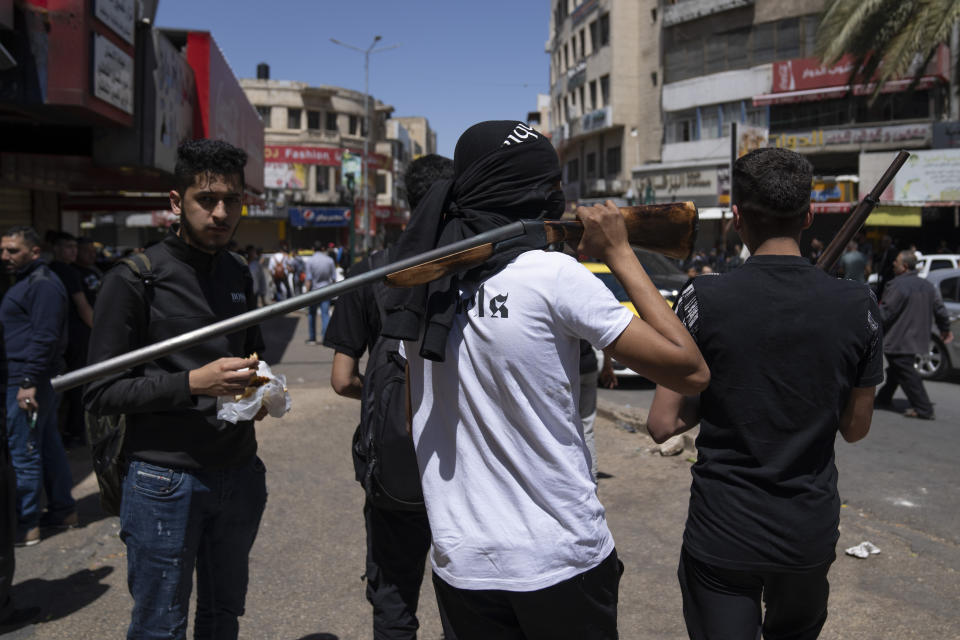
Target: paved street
[(307, 565)]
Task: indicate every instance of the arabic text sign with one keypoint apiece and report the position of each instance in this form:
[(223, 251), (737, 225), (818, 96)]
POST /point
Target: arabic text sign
[(929, 176)]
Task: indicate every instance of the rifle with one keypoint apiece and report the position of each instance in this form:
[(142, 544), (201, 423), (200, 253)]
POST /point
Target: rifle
[(860, 214), (669, 229)]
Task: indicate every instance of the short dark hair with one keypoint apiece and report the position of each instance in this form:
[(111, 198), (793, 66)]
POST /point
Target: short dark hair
[(30, 236), (771, 188), (207, 157), (62, 238), (422, 173)]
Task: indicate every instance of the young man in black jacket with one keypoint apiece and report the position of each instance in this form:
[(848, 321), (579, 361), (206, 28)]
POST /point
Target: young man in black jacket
[(195, 489), (764, 507)]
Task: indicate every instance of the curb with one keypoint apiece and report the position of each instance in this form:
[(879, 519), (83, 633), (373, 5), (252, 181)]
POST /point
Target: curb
[(635, 419)]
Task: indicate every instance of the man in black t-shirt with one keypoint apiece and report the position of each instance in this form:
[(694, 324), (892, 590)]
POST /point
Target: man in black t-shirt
[(397, 541), (764, 507)]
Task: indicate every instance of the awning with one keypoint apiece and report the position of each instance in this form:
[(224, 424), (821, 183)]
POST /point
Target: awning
[(829, 93)]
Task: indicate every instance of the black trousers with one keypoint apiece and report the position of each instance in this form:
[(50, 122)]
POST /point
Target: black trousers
[(397, 545), (8, 529), (583, 607), (723, 604), (900, 371)]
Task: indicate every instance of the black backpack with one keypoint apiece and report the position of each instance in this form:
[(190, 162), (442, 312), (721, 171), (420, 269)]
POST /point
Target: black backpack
[(383, 453), (105, 433)]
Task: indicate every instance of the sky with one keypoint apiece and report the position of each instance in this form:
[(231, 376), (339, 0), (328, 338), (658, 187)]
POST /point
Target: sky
[(458, 62)]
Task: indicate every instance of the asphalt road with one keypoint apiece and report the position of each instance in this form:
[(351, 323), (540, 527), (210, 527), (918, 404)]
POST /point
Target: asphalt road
[(307, 564)]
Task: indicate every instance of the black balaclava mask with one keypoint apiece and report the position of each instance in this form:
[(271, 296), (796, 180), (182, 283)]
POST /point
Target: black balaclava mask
[(503, 171)]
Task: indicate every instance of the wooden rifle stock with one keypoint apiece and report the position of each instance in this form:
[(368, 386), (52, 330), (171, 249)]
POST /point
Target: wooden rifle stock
[(670, 229), (859, 216)]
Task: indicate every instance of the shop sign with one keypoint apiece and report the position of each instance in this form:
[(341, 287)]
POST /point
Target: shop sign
[(887, 216), (281, 175), (800, 74), (820, 138), (946, 135), (318, 216), (323, 156), (112, 74), (680, 182), (118, 15), (268, 210), (831, 191), (597, 119), (929, 176)]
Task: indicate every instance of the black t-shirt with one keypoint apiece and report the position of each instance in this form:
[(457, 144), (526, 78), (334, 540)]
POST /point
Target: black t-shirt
[(90, 278), (78, 330), (355, 324), (785, 344)]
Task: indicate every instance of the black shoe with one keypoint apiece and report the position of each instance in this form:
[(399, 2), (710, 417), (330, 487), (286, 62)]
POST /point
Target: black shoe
[(19, 618), (69, 521)]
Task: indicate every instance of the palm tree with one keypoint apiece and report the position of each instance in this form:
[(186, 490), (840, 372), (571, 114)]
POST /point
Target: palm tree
[(895, 32)]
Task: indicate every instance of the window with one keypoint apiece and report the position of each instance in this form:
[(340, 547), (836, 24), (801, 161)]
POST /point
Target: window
[(323, 179), (594, 36), (264, 112), (604, 29), (583, 99), (354, 125), (331, 121), (940, 264), (716, 59), (381, 183), (573, 170), (566, 56), (604, 90), (764, 45), (313, 120), (709, 122), (591, 165), (293, 118), (613, 161), (950, 289), (679, 126), (788, 39), (810, 24), (738, 49), (593, 94), (583, 43)]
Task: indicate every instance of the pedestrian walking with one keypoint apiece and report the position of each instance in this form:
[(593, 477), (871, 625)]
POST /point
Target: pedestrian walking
[(909, 308), (398, 535), (320, 270), (521, 548), (794, 355), (258, 275), (34, 317), (194, 489), (853, 263)]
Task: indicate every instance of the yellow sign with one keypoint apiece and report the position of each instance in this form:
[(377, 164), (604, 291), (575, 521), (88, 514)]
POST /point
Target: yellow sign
[(888, 216)]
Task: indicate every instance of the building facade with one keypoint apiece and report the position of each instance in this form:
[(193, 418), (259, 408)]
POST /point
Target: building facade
[(605, 93)]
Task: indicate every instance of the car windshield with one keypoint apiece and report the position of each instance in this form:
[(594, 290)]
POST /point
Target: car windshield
[(614, 285), (656, 264)]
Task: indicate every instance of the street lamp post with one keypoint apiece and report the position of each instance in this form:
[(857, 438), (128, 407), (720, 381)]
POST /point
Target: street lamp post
[(365, 215)]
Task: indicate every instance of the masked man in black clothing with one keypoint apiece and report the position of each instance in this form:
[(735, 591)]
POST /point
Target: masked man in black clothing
[(764, 509), (195, 489), (397, 540)]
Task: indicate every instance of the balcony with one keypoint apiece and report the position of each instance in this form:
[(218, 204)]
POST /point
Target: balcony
[(687, 10), (577, 75)]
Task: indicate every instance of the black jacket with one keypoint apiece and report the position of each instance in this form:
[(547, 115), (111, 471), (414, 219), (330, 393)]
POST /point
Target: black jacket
[(192, 289), (908, 309), (34, 317)]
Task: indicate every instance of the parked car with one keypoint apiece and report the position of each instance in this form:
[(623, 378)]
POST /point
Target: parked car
[(666, 276), (927, 264), (942, 358)]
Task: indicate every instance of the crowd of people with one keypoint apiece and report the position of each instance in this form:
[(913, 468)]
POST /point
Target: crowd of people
[(476, 378)]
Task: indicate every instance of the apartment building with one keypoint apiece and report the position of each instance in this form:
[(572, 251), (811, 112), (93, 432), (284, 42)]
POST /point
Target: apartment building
[(753, 63), (604, 93), (314, 140)]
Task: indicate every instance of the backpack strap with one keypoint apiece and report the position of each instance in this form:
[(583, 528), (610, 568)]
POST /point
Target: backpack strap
[(139, 263)]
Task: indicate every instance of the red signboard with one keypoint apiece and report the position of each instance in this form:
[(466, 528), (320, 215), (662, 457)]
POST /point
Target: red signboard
[(324, 156), (223, 110), (801, 74)]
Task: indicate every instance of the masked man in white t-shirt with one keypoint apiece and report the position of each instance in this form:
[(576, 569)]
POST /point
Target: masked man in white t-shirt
[(521, 547)]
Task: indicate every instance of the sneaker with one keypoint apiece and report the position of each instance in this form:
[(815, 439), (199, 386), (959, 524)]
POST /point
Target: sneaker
[(310, 342), (28, 538), (68, 521), (912, 413)]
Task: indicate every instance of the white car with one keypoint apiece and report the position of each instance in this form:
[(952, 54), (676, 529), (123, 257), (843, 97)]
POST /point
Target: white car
[(927, 263)]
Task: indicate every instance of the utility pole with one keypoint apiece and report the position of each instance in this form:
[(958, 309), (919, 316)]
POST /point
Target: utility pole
[(365, 214)]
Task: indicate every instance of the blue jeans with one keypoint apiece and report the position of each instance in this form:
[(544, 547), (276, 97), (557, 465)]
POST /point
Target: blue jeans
[(173, 520), (38, 458), (312, 319)]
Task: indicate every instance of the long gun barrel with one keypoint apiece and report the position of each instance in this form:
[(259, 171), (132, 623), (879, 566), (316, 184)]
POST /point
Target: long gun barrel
[(670, 229), (859, 216)]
